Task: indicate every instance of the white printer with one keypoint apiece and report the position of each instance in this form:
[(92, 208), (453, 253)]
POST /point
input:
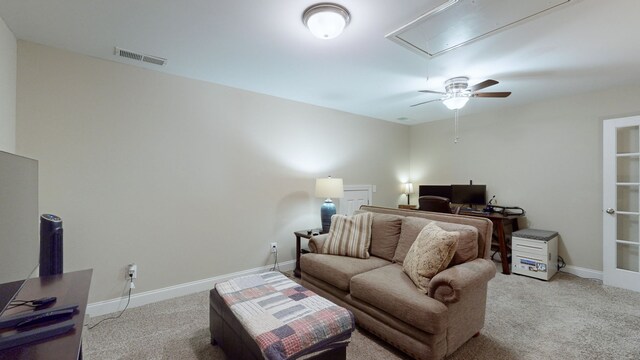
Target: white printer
[(534, 253)]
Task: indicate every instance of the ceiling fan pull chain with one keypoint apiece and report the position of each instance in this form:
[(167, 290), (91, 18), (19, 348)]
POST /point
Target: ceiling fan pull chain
[(455, 126)]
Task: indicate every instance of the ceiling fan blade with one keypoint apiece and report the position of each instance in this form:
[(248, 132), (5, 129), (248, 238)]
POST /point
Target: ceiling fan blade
[(432, 92), (492, 94), (425, 102), (482, 85)]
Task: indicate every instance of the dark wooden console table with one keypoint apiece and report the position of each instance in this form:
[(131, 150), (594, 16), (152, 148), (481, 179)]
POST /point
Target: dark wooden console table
[(499, 221), (69, 288), (307, 234)]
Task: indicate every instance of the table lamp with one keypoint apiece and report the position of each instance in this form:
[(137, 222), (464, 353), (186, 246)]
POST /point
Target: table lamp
[(328, 188), (408, 189)]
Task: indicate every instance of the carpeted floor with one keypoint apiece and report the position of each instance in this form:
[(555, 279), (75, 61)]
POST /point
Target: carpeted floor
[(566, 318)]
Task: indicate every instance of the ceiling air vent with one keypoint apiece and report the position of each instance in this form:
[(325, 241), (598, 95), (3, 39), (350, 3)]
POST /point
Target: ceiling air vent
[(156, 60)]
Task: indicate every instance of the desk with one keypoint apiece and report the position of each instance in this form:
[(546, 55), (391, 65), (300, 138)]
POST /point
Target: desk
[(408, 207), (498, 221), (69, 288)]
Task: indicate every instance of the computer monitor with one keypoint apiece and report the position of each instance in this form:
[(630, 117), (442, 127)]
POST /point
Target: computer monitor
[(469, 194), (435, 190)]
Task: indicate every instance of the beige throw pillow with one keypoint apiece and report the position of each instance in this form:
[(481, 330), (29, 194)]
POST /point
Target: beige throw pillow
[(430, 253), (349, 236)]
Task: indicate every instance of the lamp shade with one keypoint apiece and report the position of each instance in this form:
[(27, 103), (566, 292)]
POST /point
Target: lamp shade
[(329, 188), (408, 188)]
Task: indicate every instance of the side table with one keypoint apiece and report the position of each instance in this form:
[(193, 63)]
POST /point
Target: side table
[(307, 234)]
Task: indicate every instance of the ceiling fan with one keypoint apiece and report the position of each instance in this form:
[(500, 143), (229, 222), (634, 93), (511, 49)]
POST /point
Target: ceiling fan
[(457, 92)]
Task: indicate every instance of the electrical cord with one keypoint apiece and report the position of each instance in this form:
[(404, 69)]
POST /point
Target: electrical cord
[(276, 266), (17, 303), (494, 254), (131, 286), (561, 263), (36, 303)]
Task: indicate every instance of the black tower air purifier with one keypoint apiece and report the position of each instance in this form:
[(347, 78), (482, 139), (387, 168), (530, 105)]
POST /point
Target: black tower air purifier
[(50, 245)]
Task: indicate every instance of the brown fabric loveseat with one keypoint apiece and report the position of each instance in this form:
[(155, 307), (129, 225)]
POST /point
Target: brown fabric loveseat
[(386, 302)]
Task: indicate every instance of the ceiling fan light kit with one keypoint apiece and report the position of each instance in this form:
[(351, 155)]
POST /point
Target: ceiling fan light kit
[(455, 102), (457, 93), (326, 20)]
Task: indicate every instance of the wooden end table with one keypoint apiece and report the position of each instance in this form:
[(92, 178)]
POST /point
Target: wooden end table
[(307, 234)]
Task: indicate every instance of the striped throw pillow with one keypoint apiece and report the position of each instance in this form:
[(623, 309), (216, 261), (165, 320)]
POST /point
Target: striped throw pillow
[(349, 236)]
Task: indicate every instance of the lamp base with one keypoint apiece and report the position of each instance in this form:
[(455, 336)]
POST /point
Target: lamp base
[(327, 210)]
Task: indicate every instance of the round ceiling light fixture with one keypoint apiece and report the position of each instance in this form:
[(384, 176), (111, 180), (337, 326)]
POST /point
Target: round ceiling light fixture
[(455, 101), (326, 20)]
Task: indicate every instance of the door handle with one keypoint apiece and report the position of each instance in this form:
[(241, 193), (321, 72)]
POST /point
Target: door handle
[(610, 211)]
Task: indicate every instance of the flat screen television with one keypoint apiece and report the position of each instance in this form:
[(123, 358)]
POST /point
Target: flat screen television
[(19, 243), (469, 194), (435, 190)]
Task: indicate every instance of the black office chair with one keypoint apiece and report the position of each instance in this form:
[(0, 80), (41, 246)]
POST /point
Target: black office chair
[(436, 204)]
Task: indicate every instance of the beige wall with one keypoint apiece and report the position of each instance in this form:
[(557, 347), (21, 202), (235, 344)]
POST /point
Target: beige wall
[(545, 157), (191, 180), (188, 179), (8, 59)]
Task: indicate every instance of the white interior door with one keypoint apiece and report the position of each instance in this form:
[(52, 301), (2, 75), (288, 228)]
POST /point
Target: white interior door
[(354, 197), (621, 202)]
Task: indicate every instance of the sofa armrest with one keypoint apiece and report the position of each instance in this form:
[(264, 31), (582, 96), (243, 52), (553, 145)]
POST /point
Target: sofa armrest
[(447, 285), (315, 243)]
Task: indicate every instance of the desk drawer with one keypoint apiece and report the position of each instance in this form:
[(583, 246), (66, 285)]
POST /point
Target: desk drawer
[(531, 266), (532, 247)]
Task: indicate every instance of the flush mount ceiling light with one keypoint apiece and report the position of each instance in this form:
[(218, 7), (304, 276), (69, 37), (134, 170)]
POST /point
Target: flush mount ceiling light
[(326, 20)]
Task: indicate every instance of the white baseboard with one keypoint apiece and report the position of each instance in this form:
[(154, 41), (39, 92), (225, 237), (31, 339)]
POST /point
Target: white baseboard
[(148, 297), (583, 272)]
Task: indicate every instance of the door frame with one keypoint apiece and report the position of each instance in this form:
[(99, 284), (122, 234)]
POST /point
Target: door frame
[(611, 275), (367, 188)]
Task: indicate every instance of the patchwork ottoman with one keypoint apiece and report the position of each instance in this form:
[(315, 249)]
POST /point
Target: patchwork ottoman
[(268, 316)]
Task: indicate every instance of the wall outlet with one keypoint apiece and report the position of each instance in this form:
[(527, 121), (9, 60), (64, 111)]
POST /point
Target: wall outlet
[(132, 272), (274, 247)]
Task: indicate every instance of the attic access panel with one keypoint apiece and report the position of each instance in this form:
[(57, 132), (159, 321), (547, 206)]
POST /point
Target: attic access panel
[(458, 22)]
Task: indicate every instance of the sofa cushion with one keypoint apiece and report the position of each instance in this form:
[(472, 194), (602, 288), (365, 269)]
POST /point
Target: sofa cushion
[(337, 270), (467, 249), (389, 289), (430, 253), (411, 227), (385, 233), (349, 236)]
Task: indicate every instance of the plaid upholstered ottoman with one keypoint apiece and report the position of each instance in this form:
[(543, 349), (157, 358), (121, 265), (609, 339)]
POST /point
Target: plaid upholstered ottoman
[(268, 316)]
